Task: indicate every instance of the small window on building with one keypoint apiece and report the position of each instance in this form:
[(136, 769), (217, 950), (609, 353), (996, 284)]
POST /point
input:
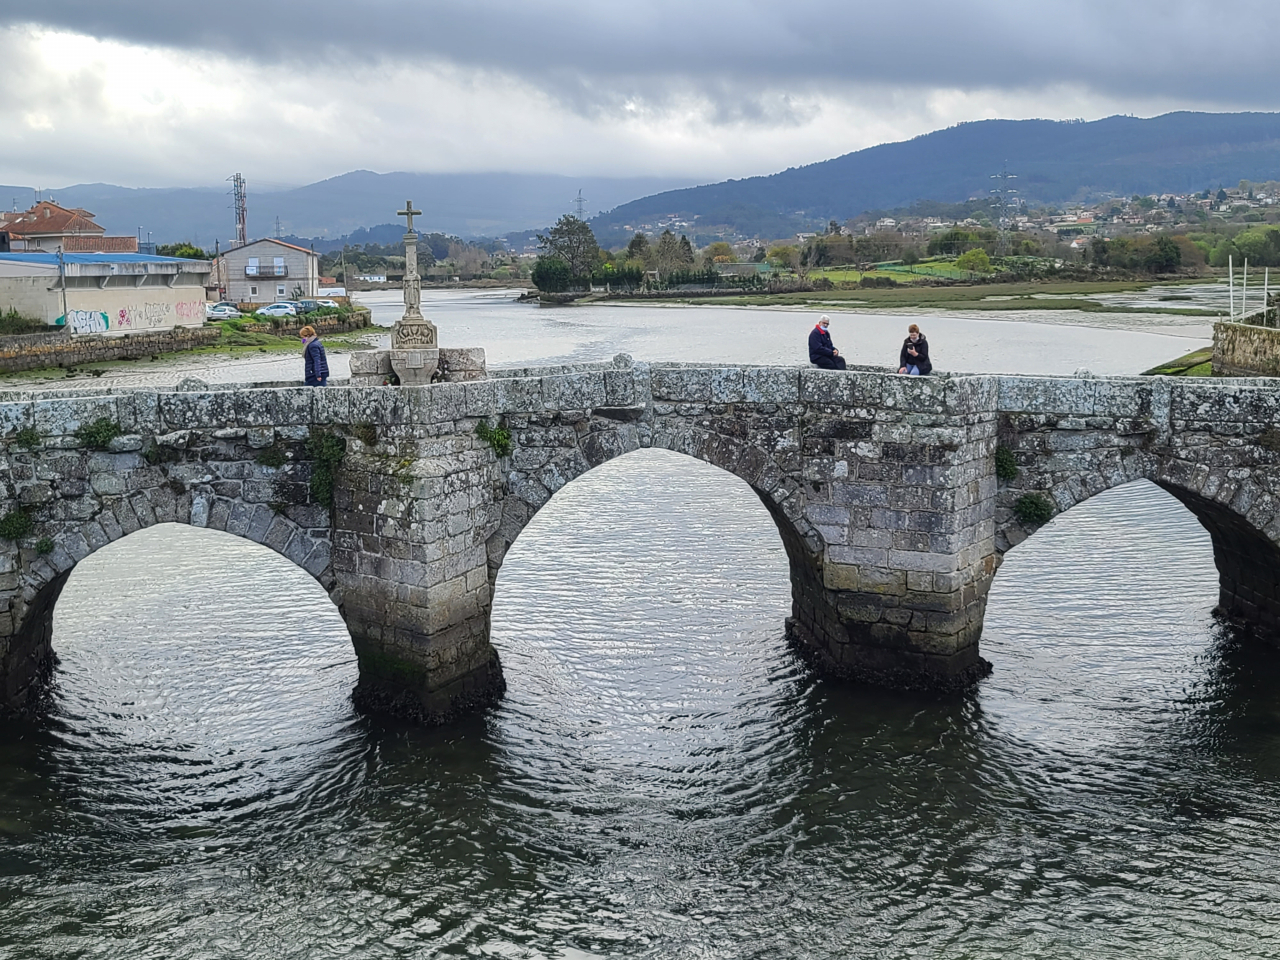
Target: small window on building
[(253, 291), (279, 289)]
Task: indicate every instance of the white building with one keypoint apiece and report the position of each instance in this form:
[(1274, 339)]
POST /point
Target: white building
[(265, 271), (113, 293)]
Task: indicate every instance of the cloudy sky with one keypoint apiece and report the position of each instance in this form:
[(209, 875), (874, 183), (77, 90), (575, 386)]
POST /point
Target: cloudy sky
[(161, 94)]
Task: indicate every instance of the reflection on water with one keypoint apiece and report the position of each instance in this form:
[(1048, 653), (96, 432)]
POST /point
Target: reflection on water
[(662, 779)]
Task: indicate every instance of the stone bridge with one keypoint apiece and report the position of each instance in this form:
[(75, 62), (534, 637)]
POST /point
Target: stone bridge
[(895, 497)]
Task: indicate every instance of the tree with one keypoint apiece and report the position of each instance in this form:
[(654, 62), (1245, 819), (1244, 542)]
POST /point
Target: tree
[(667, 256), (687, 257), (784, 257), (720, 252), (1222, 195), (975, 261), (572, 242), (1163, 257), (638, 248), (185, 249), (551, 275)]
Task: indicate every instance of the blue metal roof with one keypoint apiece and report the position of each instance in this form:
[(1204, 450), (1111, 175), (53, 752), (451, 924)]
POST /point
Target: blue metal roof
[(51, 259)]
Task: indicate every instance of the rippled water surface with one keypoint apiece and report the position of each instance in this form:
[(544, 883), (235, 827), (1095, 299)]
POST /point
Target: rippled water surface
[(662, 779)]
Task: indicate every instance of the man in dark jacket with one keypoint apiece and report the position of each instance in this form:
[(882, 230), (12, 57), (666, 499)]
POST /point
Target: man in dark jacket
[(914, 357), (315, 363), (821, 352)]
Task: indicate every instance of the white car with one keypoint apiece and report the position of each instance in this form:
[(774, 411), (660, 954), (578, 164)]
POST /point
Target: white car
[(330, 303), (220, 311), (276, 310)]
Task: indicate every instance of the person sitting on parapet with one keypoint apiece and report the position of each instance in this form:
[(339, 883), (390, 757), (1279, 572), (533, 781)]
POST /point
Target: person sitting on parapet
[(821, 352), (914, 357)]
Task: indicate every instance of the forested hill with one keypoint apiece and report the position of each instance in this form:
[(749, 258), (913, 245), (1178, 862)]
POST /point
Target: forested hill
[(1054, 161)]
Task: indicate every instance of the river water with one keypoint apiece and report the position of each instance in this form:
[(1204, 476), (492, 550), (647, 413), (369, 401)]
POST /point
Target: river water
[(662, 779)]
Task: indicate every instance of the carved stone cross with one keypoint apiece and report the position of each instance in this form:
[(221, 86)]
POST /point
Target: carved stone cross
[(408, 213)]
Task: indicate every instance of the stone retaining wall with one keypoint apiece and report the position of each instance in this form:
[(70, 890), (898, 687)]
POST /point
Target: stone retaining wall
[(357, 320), (37, 350), (1245, 350)]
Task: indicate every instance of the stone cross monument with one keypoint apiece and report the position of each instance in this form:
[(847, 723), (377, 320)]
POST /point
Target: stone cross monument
[(415, 349)]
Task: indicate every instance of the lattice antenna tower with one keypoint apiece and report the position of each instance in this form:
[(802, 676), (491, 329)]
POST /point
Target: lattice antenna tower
[(1006, 205), (239, 195), (580, 206)]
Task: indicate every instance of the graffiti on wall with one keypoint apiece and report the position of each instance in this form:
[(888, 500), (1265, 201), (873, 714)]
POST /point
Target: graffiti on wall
[(85, 321)]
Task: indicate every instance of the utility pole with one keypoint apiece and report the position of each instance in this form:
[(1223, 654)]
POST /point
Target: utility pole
[(62, 282), (580, 206), (1003, 217), (240, 202)]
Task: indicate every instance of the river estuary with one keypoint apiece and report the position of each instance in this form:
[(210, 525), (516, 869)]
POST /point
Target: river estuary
[(663, 779)]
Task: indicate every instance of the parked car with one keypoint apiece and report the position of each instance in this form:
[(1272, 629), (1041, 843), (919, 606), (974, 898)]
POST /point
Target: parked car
[(276, 310), (330, 303), (221, 311), (306, 306)]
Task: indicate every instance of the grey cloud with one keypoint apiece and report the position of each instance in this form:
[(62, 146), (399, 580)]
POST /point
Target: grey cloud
[(594, 57)]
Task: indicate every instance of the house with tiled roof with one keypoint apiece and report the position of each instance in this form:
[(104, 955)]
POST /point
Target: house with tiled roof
[(265, 271), (50, 228)]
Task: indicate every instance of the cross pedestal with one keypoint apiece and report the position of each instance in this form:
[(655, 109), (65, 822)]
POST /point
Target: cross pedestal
[(415, 349)]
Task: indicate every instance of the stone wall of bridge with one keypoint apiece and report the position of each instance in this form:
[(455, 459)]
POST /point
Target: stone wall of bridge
[(1213, 445), (883, 489)]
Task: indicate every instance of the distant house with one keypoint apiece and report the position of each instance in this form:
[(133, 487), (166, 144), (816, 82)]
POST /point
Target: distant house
[(49, 228), (265, 271)]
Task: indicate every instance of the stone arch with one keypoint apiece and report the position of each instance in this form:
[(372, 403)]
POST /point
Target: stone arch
[(1233, 505), (26, 650), (546, 470)]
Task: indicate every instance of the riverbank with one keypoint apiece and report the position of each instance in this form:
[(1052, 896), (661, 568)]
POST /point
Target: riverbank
[(1087, 297)]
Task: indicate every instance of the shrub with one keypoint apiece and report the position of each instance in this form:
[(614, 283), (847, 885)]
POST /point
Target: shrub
[(551, 275), (499, 438), (1033, 509), (15, 524), (1006, 466), (44, 545), (28, 437), (99, 434), (975, 261), (326, 451)]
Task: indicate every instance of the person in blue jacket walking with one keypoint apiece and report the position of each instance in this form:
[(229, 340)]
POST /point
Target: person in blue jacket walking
[(316, 364), (821, 351)]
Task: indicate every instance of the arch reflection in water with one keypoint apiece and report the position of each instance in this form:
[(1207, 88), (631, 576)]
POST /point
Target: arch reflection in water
[(195, 671), (637, 614)]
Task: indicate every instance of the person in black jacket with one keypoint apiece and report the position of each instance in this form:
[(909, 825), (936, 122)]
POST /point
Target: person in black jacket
[(914, 358), (315, 363), (821, 352)]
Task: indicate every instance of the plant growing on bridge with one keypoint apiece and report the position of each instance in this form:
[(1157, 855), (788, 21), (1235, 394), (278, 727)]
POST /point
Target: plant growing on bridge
[(497, 437), (27, 438), (272, 457), (15, 524), (44, 545), (1006, 466), (99, 434), (1033, 509), (326, 451)]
